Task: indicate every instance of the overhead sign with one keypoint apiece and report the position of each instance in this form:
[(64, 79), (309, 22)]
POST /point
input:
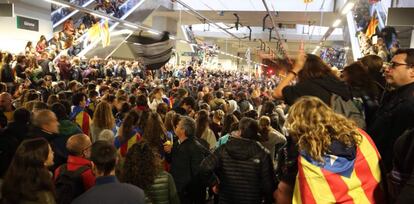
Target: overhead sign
[(27, 23)]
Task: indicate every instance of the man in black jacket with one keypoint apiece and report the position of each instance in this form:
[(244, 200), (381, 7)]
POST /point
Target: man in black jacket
[(396, 113), (185, 157), (243, 168)]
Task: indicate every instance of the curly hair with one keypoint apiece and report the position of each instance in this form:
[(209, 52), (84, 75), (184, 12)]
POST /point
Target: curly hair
[(314, 125), (141, 166)]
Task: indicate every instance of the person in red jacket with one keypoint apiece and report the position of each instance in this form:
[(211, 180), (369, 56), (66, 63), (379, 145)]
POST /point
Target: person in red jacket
[(78, 147)]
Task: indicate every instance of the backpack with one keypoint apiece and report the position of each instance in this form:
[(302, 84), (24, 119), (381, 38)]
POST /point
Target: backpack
[(348, 109), (69, 184)]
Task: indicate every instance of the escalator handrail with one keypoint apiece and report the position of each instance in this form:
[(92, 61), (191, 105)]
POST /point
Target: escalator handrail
[(71, 14), (60, 8)]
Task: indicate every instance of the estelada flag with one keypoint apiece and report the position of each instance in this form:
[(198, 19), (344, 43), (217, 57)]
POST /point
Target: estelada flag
[(340, 179), (372, 26)]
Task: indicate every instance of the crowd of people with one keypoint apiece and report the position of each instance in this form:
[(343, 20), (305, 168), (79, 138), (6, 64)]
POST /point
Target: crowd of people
[(111, 7), (110, 131), (382, 42)]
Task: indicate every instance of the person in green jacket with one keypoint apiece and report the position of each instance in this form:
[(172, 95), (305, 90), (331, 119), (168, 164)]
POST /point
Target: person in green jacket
[(143, 168)]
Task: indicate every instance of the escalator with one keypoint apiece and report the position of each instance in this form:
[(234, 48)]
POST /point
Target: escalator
[(134, 11), (61, 14), (352, 28)]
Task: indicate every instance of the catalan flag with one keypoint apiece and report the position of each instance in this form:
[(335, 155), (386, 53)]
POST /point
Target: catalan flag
[(81, 118), (372, 27), (127, 143), (340, 179)]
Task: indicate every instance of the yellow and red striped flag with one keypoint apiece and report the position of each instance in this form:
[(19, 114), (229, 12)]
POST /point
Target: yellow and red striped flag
[(372, 27), (340, 179)]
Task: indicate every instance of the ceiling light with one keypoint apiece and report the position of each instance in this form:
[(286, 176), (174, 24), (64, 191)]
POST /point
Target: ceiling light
[(57, 3), (172, 37), (348, 7), (336, 23), (183, 41), (131, 26)]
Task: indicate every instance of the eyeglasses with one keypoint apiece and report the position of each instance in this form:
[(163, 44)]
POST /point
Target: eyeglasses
[(394, 64)]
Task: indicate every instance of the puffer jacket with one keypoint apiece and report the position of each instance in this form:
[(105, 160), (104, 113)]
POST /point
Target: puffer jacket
[(163, 190), (244, 169)]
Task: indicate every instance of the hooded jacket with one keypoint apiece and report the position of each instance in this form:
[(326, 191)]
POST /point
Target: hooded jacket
[(244, 170)]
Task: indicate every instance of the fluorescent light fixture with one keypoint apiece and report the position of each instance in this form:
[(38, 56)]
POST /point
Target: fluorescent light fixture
[(153, 32), (130, 25), (348, 7), (183, 41), (336, 23), (57, 3), (100, 16)]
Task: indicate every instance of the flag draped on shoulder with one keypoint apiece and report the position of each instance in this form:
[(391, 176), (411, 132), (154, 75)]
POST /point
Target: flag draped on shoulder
[(340, 179)]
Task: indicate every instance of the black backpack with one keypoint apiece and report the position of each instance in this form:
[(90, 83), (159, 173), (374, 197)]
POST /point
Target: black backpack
[(69, 184)]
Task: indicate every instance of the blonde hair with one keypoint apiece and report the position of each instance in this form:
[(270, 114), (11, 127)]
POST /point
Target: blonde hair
[(314, 125), (103, 117)]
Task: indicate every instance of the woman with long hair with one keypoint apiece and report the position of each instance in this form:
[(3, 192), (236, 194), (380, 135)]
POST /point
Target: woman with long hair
[(203, 130), (128, 133), (363, 88), (155, 133), (29, 49), (332, 149), (216, 123), (143, 168), (7, 74), (28, 180), (156, 98), (314, 78), (102, 119), (230, 124), (41, 44)]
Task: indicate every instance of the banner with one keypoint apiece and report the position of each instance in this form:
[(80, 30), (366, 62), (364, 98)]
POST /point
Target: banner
[(106, 38)]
